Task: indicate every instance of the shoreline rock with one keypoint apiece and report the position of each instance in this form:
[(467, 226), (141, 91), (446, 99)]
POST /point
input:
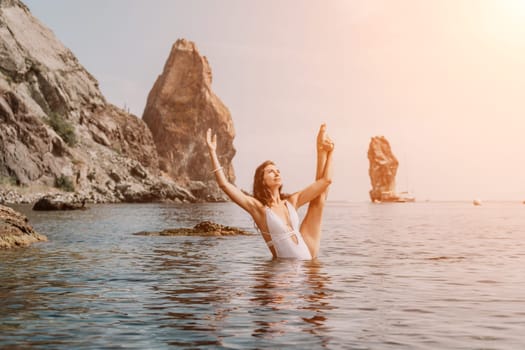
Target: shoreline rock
[(47, 203), (15, 230), (204, 229), (149, 191)]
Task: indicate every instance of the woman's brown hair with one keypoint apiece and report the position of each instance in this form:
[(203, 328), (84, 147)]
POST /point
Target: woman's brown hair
[(260, 191)]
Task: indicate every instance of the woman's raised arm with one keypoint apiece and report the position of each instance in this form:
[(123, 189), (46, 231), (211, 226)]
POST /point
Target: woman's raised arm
[(246, 202)]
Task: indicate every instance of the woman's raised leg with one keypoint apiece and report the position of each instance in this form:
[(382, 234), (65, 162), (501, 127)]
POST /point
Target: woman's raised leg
[(311, 225)]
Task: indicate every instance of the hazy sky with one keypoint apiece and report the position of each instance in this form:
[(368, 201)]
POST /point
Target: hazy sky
[(443, 81)]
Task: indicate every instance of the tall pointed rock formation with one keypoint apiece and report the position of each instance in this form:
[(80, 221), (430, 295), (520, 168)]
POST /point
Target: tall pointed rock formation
[(181, 106), (382, 171)]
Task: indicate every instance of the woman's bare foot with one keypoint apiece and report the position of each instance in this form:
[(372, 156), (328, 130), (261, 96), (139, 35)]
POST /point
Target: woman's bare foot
[(328, 144), (324, 142)]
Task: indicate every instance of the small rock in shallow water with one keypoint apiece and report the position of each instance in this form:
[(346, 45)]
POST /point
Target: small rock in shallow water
[(205, 228)]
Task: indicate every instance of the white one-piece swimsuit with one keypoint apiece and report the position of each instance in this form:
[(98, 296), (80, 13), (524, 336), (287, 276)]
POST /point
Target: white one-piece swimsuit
[(282, 236)]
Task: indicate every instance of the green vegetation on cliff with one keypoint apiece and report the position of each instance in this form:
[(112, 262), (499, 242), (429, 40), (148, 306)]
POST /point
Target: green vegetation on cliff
[(63, 128)]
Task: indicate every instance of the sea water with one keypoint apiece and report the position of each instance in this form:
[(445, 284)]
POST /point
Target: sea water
[(429, 275)]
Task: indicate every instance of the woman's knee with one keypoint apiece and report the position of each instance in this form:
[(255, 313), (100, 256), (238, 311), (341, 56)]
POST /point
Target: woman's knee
[(319, 201)]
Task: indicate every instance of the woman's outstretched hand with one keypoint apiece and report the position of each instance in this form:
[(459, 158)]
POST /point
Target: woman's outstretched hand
[(211, 141)]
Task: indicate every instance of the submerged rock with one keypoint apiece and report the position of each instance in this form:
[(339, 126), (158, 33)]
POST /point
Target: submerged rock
[(15, 230), (205, 228)]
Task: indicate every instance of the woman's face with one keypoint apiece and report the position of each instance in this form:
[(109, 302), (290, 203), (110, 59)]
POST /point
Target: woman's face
[(272, 176)]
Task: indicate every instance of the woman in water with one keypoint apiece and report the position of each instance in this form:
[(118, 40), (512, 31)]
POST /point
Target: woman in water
[(275, 213)]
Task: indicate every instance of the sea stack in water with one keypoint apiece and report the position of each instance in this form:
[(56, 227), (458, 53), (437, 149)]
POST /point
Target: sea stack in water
[(382, 171), (181, 106)]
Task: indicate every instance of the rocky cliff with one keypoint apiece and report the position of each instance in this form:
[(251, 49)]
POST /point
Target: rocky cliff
[(180, 108), (58, 131)]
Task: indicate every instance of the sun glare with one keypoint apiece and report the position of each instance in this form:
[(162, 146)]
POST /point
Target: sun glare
[(505, 20)]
